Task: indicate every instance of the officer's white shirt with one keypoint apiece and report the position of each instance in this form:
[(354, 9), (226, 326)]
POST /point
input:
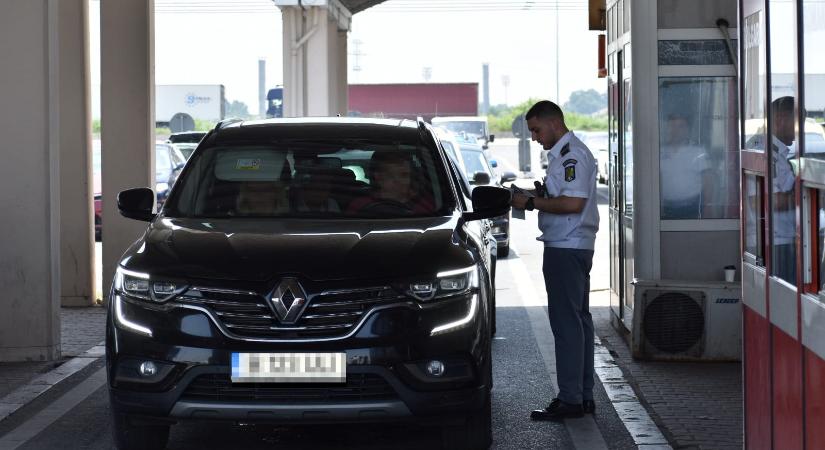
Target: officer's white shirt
[(572, 174), (784, 227), (682, 167)]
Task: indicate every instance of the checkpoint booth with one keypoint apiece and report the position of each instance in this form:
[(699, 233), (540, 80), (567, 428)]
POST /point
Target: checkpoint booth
[(782, 90), (674, 212)]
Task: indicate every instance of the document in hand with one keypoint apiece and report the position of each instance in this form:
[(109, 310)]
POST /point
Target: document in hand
[(516, 212)]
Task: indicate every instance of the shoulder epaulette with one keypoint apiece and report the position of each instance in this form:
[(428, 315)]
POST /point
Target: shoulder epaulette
[(565, 150)]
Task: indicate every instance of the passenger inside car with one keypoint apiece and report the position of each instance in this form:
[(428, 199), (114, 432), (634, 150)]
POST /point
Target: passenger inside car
[(312, 192), (262, 198), (391, 175)]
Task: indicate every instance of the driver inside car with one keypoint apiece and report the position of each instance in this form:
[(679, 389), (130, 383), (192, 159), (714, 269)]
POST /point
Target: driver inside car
[(392, 176)]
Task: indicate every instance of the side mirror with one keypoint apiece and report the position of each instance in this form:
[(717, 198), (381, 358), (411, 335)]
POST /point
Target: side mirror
[(492, 138), (136, 203), (493, 163), (481, 178), (507, 177), (488, 202)]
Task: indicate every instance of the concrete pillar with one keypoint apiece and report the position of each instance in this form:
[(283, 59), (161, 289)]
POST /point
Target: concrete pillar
[(315, 58), (127, 58), (30, 181), (76, 214)]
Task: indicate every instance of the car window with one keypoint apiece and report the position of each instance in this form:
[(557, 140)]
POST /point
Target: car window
[(475, 161), (177, 157), (314, 179), (162, 161), (460, 181), (448, 147)]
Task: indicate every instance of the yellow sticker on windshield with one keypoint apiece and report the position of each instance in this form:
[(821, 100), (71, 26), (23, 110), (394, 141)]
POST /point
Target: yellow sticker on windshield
[(248, 164)]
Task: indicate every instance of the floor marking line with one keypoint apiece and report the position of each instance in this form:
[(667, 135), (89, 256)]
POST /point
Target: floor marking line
[(633, 415), (21, 396), (54, 411), (584, 432)]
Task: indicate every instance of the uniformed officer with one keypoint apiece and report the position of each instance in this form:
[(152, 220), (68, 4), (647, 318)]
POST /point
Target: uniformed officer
[(783, 133), (569, 220)]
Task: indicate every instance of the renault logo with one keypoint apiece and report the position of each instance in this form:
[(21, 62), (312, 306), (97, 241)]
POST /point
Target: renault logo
[(289, 300)]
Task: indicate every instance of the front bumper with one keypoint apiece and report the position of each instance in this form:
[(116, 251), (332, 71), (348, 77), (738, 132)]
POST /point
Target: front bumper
[(189, 348)]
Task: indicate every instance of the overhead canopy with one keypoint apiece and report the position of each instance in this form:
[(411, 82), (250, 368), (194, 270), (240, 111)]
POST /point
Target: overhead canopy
[(359, 5), (353, 6)]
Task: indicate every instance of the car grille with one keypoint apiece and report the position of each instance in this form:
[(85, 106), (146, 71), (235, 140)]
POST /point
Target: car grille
[(220, 388), (330, 314)]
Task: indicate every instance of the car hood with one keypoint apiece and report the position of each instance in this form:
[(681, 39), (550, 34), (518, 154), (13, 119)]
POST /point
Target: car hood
[(265, 249)]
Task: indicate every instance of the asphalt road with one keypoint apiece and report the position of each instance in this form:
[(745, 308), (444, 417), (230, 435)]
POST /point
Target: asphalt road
[(77, 414)]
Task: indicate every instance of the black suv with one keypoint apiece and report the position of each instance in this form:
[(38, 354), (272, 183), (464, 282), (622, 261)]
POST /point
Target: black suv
[(307, 271)]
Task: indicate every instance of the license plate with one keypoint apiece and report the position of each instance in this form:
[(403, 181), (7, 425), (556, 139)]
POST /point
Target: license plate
[(289, 367)]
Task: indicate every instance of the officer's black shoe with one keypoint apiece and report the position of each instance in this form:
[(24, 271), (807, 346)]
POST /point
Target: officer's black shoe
[(557, 410), (589, 407)]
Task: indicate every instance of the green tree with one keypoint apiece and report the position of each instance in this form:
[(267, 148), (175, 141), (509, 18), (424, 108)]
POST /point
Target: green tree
[(586, 102), (237, 109), (501, 118)]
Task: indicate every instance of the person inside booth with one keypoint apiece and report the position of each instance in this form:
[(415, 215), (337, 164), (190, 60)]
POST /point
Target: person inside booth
[(687, 180), (784, 196)]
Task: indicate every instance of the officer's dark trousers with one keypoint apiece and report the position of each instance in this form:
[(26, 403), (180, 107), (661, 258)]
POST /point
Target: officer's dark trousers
[(567, 277)]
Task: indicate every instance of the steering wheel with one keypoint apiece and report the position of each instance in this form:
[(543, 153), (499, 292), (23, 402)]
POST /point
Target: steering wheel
[(385, 206)]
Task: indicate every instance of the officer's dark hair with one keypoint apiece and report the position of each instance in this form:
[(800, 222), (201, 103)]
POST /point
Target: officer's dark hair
[(783, 105), (544, 109)]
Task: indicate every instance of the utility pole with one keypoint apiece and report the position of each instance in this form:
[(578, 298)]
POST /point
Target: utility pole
[(357, 53), (262, 88), (558, 100), (427, 72), (505, 80), (485, 79)]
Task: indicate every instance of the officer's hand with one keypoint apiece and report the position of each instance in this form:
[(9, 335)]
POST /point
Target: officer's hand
[(518, 201)]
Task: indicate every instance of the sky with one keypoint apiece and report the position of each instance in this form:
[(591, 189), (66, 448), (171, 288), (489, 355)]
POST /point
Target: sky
[(221, 41)]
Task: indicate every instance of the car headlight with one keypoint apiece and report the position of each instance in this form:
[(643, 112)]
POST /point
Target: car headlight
[(446, 284), (143, 286)]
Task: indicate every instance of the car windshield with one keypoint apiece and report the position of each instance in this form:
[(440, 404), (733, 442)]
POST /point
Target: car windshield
[(474, 161), (474, 128), (313, 179)]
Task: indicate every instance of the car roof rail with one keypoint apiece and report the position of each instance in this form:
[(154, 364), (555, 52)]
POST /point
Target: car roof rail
[(226, 122), (423, 132)]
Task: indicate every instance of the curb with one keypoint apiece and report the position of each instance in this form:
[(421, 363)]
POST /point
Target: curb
[(41, 384)]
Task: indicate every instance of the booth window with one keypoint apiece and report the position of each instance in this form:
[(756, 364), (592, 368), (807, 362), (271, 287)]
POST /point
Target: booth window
[(754, 220), (698, 155), (818, 262), (753, 83), (782, 148), (627, 118), (813, 29), (813, 238)]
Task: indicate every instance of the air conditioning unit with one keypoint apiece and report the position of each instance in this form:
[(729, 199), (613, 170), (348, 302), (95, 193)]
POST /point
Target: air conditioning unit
[(677, 320)]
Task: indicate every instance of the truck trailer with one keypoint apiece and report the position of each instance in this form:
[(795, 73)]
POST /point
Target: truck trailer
[(411, 100)]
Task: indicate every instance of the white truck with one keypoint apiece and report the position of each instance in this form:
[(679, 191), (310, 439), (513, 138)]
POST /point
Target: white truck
[(178, 105)]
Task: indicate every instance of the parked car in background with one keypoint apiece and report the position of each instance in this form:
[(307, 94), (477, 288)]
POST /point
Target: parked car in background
[(480, 172), (475, 126), (596, 141), (247, 299), (168, 163), (185, 148)]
